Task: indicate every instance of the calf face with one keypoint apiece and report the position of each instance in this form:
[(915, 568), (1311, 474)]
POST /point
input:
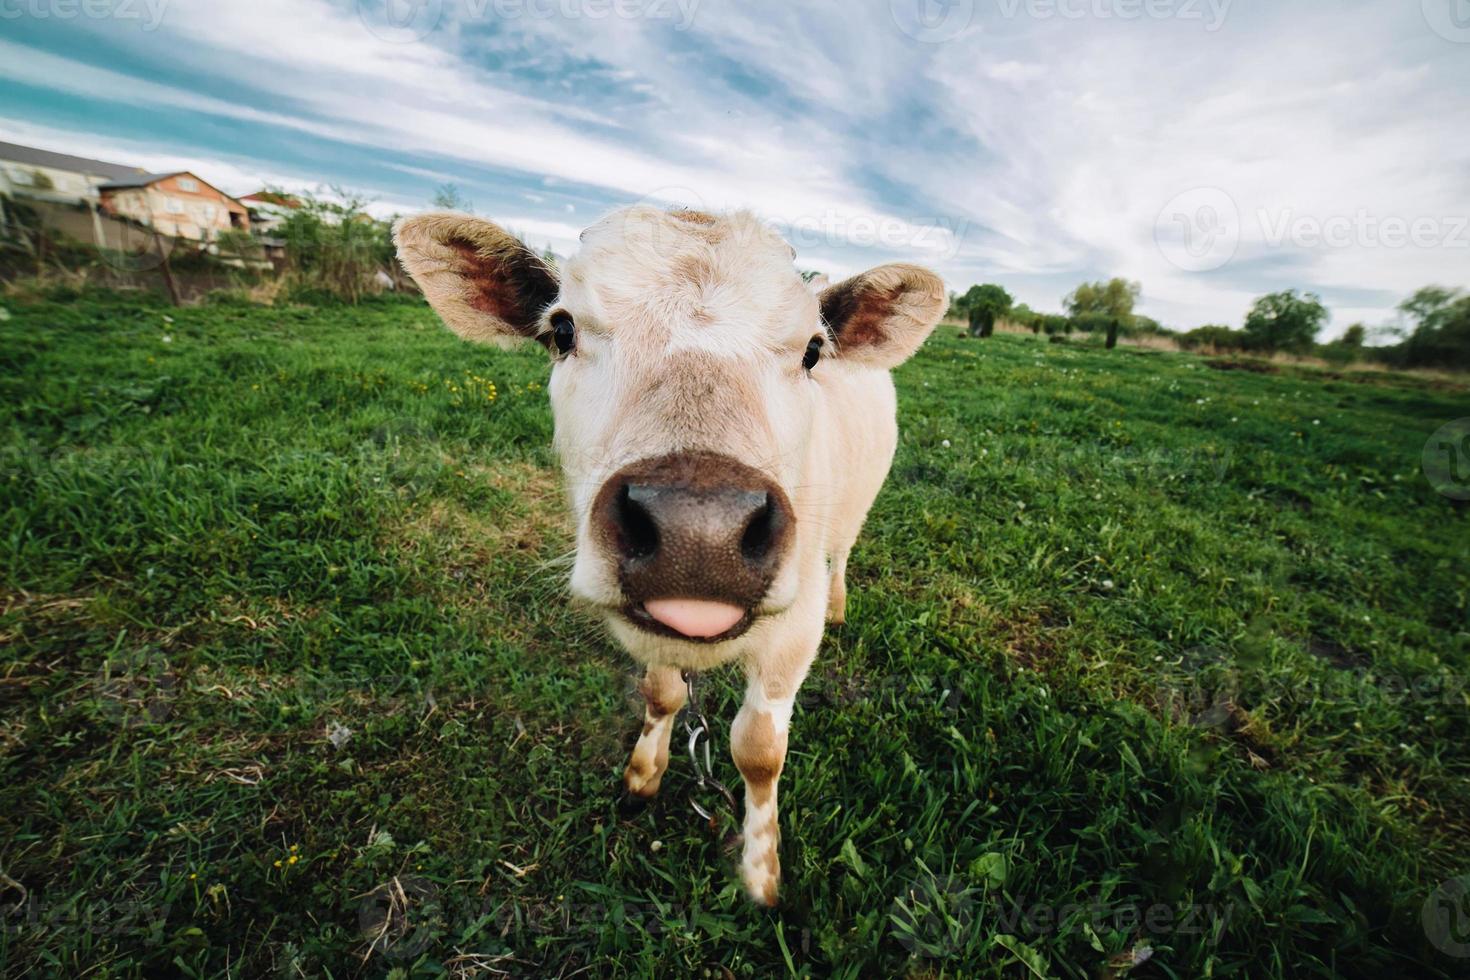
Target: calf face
[(685, 349)]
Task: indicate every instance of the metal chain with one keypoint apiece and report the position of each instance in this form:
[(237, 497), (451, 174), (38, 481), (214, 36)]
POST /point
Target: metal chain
[(701, 736)]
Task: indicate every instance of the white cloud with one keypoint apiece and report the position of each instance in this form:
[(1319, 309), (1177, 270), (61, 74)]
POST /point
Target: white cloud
[(1046, 147)]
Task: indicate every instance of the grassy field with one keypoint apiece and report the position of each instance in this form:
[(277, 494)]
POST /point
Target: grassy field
[(1155, 666)]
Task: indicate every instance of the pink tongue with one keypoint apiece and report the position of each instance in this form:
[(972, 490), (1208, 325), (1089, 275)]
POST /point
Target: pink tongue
[(695, 617)]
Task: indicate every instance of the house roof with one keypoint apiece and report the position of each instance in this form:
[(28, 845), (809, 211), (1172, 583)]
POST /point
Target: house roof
[(277, 198), (35, 157), (147, 180), (139, 179)]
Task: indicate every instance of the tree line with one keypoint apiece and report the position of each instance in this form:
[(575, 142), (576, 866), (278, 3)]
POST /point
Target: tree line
[(1434, 330)]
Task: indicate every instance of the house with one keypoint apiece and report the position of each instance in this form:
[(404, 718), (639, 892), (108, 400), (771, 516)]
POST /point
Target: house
[(55, 178), (178, 204), (269, 209)]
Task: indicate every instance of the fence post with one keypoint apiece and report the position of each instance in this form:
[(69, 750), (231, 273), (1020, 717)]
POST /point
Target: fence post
[(168, 275)]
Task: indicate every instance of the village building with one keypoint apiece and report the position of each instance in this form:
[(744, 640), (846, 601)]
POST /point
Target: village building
[(55, 178), (178, 204)]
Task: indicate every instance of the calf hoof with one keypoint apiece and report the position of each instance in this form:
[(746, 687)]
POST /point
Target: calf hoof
[(630, 804), (640, 781), (764, 894), (761, 878)]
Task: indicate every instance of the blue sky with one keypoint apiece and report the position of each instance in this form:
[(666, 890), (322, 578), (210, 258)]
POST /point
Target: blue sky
[(1213, 150)]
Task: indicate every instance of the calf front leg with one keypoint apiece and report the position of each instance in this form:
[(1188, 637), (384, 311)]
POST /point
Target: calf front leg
[(837, 589), (758, 745), (664, 693)]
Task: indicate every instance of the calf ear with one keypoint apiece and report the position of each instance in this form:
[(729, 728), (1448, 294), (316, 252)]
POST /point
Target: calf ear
[(882, 316), (481, 280)]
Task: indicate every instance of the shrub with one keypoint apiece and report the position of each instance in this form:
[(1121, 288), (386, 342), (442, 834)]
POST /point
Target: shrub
[(334, 248), (1214, 336)]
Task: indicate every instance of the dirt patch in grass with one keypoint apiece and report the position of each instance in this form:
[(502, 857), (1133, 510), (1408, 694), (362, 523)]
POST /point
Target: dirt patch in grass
[(1234, 364), (526, 524), (1035, 640), (1336, 654)]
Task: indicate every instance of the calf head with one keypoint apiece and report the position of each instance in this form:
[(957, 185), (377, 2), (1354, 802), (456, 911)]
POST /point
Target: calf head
[(688, 356)]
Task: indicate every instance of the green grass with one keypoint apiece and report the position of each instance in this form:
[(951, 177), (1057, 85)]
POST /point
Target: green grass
[(1146, 657)]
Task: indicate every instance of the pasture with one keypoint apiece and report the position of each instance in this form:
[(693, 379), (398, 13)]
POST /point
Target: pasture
[(1154, 666)]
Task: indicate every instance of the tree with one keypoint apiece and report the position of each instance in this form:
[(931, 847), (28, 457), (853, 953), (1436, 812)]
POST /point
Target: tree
[(1354, 336), (1103, 306), (1114, 298), (448, 198), (1441, 329), (1023, 316), (983, 305), (1285, 321)]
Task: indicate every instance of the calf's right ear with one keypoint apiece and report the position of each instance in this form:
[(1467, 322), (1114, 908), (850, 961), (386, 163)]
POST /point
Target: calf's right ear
[(881, 316), (484, 283)]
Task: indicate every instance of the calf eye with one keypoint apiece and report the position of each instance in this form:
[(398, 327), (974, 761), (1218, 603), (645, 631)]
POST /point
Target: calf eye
[(563, 332), (813, 353)]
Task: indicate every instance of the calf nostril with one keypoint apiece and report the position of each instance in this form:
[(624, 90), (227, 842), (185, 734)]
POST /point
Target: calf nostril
[(755, 543), (636, 528)]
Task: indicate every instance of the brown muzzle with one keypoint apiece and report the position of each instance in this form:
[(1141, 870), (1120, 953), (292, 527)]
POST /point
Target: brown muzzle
[(693, 526)]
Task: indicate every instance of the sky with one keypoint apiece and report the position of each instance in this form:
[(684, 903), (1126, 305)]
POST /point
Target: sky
[(1212, 150)]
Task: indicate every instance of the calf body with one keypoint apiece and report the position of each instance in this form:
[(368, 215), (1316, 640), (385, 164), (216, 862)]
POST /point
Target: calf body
[(723, 431)]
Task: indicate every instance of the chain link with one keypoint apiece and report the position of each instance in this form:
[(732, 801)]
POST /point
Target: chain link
[(701, 736)]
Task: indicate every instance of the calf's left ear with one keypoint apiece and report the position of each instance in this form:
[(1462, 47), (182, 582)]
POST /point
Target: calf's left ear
[(481, 280), (881, 316)]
